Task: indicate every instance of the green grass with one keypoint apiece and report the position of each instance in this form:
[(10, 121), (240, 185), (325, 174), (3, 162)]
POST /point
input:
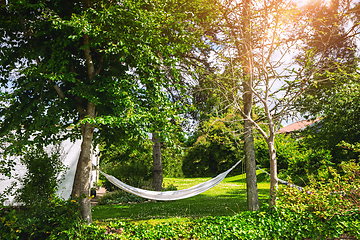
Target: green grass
[(227, 198)]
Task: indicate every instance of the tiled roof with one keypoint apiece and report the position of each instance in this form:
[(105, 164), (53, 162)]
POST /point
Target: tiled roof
[(297, 126)]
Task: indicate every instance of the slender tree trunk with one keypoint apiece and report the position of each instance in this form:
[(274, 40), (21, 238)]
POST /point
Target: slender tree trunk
[(273, 171), (157, 166), (251, 182)]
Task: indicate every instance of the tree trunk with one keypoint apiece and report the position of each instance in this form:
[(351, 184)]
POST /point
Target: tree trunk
[(273, 171), (251, 183), (81, 186), (157, 166)]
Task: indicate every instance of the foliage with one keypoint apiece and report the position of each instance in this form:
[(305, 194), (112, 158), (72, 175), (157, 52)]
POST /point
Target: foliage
[(330, 32), (7, 163), (326, 196), (127, 161), (265, 224), (132, 166), (295, 161), (90, 64), (44, 220), (172, 159), (334, 92), (286, 148), (119, 196), (283, 223), (44, 171), (7, 167), (308, 163), (216, 149), (256, 36), (340, 123), (128, 44)]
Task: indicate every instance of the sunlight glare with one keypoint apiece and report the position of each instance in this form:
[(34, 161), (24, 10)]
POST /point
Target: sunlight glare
[(326, 2)]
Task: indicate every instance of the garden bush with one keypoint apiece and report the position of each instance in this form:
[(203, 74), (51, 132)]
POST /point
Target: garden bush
[(42, 177), (264, 224), (295, 162), (134, 167), (44, 220), (119, 196), (326, 196), (133, 173), (286, 148)]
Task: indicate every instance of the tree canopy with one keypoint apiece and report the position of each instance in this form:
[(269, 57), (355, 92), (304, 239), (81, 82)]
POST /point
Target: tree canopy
[(93, 63)]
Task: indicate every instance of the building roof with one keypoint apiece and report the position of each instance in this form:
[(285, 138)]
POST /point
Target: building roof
[(297, 126)]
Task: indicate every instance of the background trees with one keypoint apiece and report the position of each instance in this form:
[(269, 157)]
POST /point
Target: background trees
[(333, 93), (257, 54)]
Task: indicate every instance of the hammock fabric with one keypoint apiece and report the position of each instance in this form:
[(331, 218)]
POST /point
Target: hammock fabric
[(170, 195)]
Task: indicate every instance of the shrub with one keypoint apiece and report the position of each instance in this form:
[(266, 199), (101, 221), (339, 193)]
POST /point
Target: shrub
[(44, 220), (309, 163), (265, 224), (294, 161), (133, 173), (119, 196), (326, 197), (288, 150), (172, 158), (42, 177)]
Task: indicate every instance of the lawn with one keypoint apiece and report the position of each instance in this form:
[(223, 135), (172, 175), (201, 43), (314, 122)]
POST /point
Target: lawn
[(227, 198)]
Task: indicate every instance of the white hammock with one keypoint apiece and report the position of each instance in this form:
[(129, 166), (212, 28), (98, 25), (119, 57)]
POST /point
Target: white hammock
[(170, 195)]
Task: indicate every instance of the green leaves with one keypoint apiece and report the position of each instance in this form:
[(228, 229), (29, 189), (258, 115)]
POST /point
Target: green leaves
[(326, 198), (136, 48), (282, 224)]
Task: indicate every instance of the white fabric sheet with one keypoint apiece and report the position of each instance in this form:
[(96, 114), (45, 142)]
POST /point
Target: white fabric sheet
[(70, 155), (170, 195)]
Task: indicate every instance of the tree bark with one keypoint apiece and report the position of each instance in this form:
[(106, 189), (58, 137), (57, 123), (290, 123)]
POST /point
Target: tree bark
[(273, 171), (157, 166), (85, 159), (251, 181), (81, 186)]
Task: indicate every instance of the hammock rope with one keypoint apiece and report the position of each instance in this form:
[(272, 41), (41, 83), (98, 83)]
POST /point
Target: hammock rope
[(283, 181), (170, 195)]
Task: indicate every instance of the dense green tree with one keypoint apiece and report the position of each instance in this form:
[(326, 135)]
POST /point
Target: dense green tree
[(90, 63), (214, 148)]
